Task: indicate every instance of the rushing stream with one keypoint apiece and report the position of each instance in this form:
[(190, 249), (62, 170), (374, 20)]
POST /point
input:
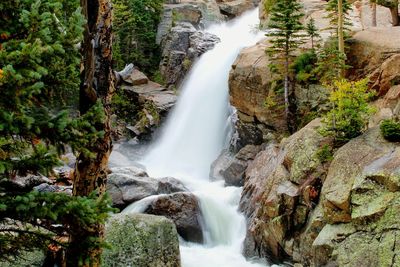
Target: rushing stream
[(196, 131)]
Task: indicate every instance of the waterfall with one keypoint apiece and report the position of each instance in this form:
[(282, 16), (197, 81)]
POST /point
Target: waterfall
[(192, 138)]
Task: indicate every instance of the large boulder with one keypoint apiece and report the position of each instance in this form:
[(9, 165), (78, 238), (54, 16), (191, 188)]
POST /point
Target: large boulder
[(197, 12), (281, 187), (181, 37), (251, 83), (352, 220), (234, 8), (24, 183), (180, 48), (184, 210), (141, 240), (150, 100), (360, 202), (233, 170), (129, 184), (256, 94), (374, 53)]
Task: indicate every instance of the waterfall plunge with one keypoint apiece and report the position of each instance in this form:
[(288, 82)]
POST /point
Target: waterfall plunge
[(194, 135)]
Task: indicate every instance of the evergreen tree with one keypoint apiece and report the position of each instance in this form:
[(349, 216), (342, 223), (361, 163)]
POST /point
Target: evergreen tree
[(135, 28), (98, 82), (285, 32), (312, 32), (333, 11), (338, 11), (39, 80)]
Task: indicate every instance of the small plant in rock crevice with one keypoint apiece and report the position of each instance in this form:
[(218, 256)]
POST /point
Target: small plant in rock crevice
[(390, 130)]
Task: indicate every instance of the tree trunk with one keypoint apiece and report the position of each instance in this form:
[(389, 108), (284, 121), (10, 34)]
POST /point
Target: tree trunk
[(312, 42), (97, 84), (286, 86), (394, 11), (341, 34), (373, 14)]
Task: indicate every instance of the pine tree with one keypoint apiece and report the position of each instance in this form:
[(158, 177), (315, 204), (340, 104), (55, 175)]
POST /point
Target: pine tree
[(97, 87), (332, 9), (312, 32), (285, 32), (39, 81), (338, 15), (135, 28)]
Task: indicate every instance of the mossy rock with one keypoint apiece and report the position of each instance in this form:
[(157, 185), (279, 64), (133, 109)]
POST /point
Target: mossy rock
[(141, 240)]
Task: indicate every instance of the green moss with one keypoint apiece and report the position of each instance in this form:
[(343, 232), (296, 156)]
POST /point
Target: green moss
[(390, 130), (187, 63), (324, 154)]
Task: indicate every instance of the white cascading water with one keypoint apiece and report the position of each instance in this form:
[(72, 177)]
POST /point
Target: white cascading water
[(193, 137)]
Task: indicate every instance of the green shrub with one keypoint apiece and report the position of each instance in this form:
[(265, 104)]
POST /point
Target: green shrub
[(349, 112), (390, 130), (304, 67)]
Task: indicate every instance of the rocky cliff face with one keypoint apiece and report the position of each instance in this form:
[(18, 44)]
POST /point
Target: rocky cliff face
[(149, 101), (300, 206), (181, 37), (302, 203), (359, 201), (251, 85), (255, 94), (281, 188)]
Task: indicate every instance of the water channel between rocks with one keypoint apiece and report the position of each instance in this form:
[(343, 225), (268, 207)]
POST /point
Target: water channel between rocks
[(197, 130)]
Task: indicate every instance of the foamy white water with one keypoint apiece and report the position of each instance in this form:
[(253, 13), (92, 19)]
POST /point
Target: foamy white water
[(193, 137)]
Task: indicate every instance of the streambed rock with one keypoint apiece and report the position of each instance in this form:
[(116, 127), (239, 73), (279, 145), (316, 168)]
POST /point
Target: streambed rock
[(184, 210), (141, 240), (232, 168), (129, 184), (281, 187)]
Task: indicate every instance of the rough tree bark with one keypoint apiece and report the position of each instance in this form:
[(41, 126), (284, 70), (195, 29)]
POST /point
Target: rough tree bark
[(97, 84)]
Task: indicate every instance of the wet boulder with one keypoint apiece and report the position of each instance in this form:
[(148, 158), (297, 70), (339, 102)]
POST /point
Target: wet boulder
[(130, 184), (234, 8), (232, 168), (141, 240), (220, 164), (184, 210)]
